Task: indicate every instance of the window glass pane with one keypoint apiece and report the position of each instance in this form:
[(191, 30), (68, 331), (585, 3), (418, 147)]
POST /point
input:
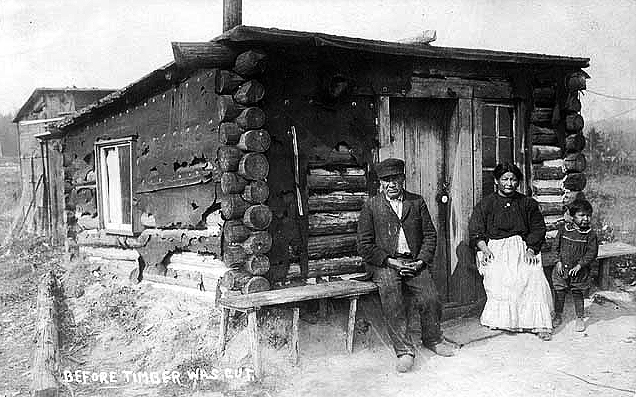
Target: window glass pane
[(488, 183), (489, 153), (505, 121), (505, 150), (124, 176), (488, 121), (113, 186)]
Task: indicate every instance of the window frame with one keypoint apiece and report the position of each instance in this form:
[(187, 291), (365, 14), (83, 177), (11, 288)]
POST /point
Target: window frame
[(517, 139), (100, 148)]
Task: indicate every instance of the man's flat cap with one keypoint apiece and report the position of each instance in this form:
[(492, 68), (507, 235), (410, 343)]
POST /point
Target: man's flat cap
[(389, 167)]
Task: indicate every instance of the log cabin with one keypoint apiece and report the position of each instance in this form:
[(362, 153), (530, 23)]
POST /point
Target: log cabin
[(244, 162)]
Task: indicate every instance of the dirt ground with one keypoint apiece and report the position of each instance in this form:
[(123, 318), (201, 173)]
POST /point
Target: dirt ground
[(115, 326), (572, 364)]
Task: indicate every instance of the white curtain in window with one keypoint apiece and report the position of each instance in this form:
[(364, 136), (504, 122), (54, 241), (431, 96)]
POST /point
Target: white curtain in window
[(114, 187)]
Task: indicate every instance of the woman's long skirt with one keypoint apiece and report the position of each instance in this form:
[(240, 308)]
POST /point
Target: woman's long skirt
[(518, 294)]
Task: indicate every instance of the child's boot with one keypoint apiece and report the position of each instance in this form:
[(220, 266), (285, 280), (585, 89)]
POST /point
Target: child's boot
[(579, 324)]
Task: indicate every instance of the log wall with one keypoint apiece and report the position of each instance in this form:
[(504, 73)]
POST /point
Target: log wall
[(313, 91), (557, 143), (246, 240)]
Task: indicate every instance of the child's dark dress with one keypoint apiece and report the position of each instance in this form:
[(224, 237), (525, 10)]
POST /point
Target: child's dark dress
[(574, 247)]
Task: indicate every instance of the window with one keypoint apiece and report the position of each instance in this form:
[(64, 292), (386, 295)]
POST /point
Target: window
[(114, 184), (497, 141)]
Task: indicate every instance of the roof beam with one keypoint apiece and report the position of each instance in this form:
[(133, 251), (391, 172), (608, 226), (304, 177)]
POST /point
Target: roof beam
[(190, 55)]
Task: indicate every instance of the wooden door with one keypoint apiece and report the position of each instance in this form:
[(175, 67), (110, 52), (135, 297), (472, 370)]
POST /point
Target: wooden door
[(418, 129), (434, 137)]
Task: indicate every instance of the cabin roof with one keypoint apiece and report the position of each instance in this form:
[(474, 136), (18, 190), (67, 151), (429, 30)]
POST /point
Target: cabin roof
[(40, 91), (273, 36), (164, 77)]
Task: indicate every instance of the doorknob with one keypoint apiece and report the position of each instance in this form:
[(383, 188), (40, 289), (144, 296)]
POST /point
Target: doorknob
[(442, 195)]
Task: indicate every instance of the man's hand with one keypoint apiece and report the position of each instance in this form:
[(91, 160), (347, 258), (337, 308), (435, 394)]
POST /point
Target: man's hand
[(406, 269), (410, 269), (574, 270), (394, 263), (559, 269)]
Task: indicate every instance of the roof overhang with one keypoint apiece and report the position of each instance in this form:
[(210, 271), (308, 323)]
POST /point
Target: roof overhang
[(279, 37), (242, 36)]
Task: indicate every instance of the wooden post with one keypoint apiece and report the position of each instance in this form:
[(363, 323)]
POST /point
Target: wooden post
[(45, 364), (353, 306), (232, 14), (252, 329), (225, 314), (295, 349)]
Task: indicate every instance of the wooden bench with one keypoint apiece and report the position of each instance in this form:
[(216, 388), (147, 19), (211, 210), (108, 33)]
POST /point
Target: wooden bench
[(607, 252), (251, 303)]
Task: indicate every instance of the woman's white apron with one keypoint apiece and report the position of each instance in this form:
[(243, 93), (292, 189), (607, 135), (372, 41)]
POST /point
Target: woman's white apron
[(518, 295)]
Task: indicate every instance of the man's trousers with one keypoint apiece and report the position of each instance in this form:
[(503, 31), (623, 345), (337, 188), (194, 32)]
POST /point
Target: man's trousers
[(396, 292)]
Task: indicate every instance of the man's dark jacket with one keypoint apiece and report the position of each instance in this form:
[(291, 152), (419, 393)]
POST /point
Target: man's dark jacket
[(379, 227)]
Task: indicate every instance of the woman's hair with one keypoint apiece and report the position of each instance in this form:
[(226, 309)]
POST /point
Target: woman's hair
[(502, 168), (580, 205)]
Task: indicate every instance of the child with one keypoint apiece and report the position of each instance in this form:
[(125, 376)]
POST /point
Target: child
[(576, 249)]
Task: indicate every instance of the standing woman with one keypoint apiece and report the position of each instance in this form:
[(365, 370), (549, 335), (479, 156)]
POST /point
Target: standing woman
[(508, 229)]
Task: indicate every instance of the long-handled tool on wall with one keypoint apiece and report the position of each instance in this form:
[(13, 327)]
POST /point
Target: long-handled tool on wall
[(299, 199)]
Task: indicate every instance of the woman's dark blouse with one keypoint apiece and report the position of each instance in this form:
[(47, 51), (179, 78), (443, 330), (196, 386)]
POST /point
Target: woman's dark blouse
[(496, 217)]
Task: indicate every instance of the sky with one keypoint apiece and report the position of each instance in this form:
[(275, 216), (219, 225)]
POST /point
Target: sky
[(111, 43)]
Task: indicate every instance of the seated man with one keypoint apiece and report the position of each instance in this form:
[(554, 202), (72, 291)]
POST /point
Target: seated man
[(397, 240)]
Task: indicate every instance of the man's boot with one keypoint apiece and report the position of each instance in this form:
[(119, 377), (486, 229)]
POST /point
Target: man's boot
[(579, 324), (443, 348)]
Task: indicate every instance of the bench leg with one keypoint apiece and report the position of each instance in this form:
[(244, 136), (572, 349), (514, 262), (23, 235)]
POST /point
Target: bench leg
[(353, 306), (604, 281), (225, 314), (252, 327), (294, 336)]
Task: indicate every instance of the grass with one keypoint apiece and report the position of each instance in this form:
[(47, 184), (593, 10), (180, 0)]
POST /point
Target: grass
[(9, 197), (614, 218), (614, 203)]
